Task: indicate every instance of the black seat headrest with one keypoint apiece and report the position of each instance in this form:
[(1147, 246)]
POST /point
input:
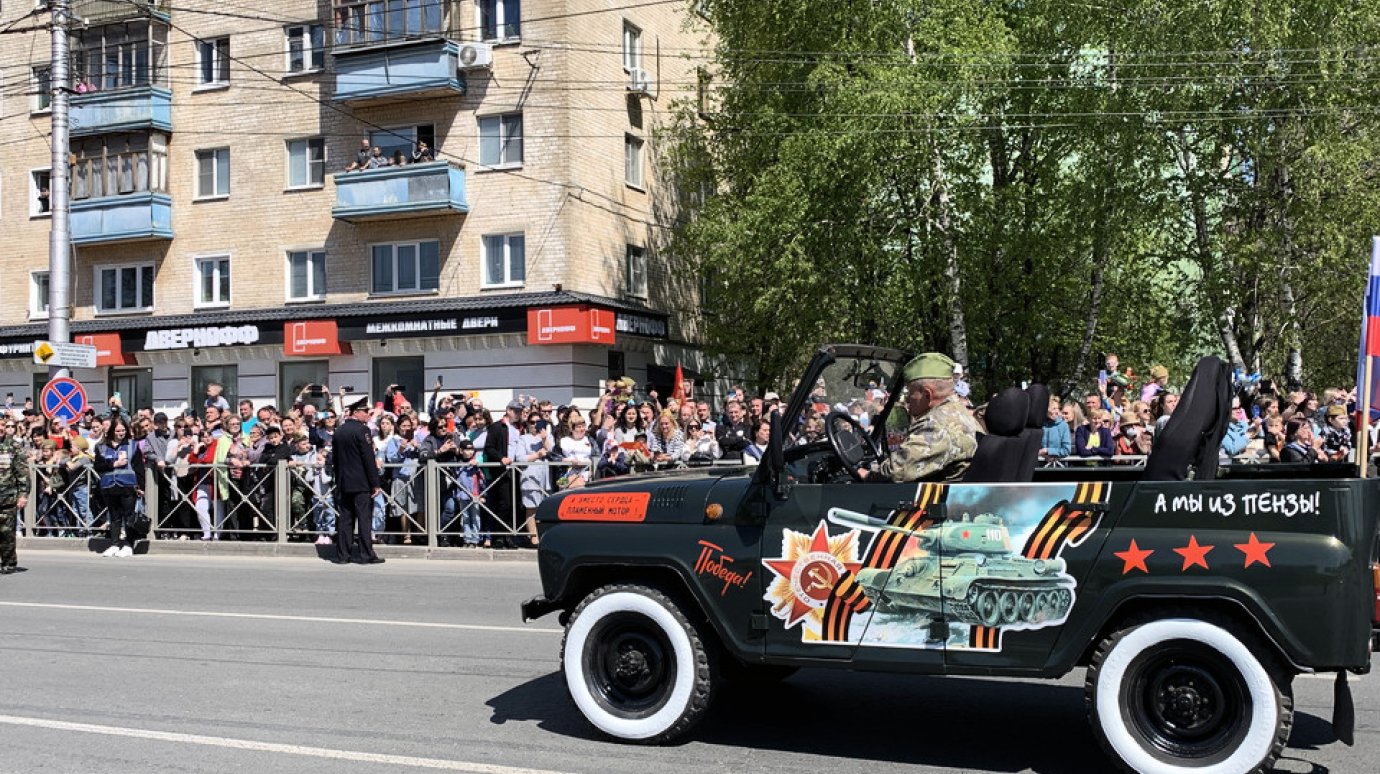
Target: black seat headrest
[(1039, 406), (1007, 413), (1194, 431)]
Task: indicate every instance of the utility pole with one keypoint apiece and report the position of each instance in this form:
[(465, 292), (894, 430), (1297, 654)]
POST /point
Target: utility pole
[(59, 198)]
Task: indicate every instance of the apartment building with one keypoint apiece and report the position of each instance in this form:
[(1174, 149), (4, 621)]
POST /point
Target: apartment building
[(217, 235)]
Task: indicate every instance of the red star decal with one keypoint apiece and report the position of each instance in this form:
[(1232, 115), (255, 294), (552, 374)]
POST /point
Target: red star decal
[(785, 567), (1134, 557), (1194, 553), (1255, 551)]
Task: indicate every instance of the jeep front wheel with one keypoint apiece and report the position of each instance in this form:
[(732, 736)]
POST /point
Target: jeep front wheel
[(1183, 694), (635, 665)]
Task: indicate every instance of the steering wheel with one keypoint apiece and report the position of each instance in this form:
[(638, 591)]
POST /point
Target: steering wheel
[(850, 442)]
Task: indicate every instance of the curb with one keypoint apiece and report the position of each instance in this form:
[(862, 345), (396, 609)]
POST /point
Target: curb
[(301, 550)]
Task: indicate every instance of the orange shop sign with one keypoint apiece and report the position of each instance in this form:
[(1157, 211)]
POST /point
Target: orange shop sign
[(570, 325), (313, 337), (109, 350)]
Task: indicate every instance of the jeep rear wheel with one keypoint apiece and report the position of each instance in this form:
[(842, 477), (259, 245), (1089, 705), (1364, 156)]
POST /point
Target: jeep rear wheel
[(635, 665), (1183, 694)]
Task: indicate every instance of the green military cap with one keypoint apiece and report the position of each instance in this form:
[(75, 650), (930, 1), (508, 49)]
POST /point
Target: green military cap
[(930, 365)]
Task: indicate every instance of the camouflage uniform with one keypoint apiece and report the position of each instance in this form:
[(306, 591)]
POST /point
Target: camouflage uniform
[(944, 439), (14, 484)]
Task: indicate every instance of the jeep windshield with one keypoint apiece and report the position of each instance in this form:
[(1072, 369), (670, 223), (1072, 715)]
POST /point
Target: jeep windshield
[(859, 381)]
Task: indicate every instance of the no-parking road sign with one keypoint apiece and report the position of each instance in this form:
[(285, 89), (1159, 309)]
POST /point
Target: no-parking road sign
[(63, 399)]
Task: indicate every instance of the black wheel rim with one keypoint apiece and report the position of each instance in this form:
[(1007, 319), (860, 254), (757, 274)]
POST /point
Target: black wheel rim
[(1187, 701), (630, 665)]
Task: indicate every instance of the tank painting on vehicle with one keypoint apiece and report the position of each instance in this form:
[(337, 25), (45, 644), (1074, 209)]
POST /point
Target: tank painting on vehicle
[(918, 579)]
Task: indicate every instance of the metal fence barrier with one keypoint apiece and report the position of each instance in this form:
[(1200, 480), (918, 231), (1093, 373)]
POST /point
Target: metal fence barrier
[(428, 504)]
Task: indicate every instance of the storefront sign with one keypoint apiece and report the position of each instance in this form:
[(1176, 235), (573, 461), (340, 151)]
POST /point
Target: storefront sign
[(570, 325), (411, 326), (109, 349), (185, 338), (392, 326), (642, 325), (313, 337), (25, 348)]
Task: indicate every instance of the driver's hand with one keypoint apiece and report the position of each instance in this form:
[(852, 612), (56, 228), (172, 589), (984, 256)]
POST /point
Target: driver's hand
[(864, 472)]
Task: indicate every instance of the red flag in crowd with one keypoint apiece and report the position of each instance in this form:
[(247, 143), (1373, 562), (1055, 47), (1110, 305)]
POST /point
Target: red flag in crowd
[(1370, 335), (678, 392)]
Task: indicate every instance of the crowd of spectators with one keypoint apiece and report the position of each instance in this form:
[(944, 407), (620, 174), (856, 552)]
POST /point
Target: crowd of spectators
[(217, 465)]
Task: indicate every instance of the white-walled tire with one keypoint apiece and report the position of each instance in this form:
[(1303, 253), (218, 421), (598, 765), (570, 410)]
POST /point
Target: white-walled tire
[(1188, 695), (635, 666)]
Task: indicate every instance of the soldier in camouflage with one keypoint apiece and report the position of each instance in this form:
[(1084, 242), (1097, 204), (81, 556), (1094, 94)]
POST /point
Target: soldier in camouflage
[(14, 496), (942, 435)]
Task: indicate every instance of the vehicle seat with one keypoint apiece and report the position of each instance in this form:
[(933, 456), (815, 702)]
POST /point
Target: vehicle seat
[(1001, 450), (1194, 431), (1034, 433)]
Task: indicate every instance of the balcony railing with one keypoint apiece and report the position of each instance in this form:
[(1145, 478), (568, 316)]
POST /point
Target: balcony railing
[(94, 12), (427, 68), (409, 191), (140, 107), (127, 218)]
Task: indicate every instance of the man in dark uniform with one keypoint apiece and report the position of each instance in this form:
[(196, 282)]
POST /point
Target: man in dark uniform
[(357, 482)]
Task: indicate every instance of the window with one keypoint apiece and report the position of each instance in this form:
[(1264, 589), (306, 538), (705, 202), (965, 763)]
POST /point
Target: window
[(124, 288), (118, 164), (406, 372), (500, 140), (213, 281), (119, 56), (403, 138), (38, 294), (378, 21), (306, 163), (134, 385), (227, 376), (408, 267), (505, 260), (632, 157), (632, 47), (306, 47), (499, 19), (212, 173), (306, 275), (39, 182), (213, 62), (292, 377), (637, 271), (42, 78)]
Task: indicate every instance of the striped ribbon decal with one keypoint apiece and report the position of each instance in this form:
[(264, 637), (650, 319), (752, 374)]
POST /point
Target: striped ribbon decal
[(848, 597), (1066, 524)]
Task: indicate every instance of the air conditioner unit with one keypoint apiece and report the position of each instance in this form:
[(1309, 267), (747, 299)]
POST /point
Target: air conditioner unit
[(474, 56), (639, 81)]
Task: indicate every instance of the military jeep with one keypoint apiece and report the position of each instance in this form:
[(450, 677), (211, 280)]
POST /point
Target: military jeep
[(1191, 593)]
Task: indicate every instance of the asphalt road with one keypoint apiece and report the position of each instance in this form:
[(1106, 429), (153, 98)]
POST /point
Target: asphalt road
[(237, 664)]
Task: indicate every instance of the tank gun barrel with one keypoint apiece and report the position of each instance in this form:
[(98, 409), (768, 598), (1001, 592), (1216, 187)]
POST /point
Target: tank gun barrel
[(846, 518)]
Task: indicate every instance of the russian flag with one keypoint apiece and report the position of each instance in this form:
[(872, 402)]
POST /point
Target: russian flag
[(1370, 331)]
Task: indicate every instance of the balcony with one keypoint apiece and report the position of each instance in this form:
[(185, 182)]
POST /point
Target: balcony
[(127, 218), (392, 193), (93, 12), (142, 107), (416, 70)]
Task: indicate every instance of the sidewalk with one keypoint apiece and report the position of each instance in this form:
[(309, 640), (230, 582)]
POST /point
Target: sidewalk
[(255, 548)]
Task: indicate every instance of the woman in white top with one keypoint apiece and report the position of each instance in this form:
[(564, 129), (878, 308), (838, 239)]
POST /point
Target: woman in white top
[(578, 451)]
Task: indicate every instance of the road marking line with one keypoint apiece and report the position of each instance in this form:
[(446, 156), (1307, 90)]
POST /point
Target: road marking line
[(271, 617), (287, 749)]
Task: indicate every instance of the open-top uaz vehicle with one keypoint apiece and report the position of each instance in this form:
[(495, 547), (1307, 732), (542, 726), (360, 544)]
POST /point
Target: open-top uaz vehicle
[(1192, 602)]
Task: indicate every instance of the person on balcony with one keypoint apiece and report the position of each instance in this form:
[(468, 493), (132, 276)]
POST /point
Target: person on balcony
[(423, 153)]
